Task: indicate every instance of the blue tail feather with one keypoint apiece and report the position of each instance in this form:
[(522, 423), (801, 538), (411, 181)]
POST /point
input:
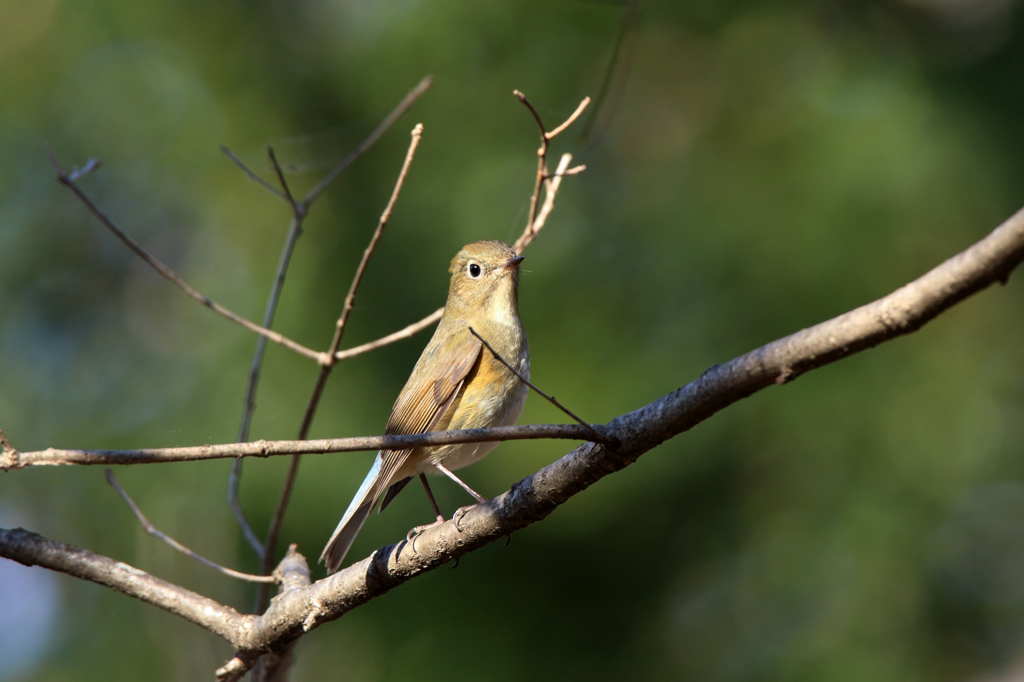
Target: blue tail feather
[(356, 514)]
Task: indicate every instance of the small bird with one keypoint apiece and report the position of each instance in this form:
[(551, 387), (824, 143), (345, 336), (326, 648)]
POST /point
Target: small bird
[(456, 384)]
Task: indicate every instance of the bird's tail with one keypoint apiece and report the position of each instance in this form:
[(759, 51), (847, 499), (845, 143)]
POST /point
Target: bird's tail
[(343, 536)]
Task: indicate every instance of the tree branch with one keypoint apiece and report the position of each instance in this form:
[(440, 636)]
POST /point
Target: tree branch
[(396, 113), (599, 437), (263, 448), (325, 370), (68, 180), (299, 212), (542, 156), (31, 549), (300, 610), (150, 529), (405, 333)]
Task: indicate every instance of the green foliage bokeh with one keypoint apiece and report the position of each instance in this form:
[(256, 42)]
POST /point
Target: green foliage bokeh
[(755, 168)]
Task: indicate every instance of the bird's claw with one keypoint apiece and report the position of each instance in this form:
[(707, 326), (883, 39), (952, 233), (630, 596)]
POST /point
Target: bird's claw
[(414, 533), (459, 513)]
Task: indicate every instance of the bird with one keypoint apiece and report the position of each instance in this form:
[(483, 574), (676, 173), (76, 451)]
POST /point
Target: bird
[(457, 383)]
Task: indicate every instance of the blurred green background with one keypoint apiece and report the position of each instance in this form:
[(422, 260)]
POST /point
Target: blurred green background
[(756, 167)]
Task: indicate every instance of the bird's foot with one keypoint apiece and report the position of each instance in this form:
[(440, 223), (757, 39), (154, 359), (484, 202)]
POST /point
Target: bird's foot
[(415, 533), (459, 513)]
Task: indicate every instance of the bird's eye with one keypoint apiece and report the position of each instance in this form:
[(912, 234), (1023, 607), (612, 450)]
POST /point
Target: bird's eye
[(474, 270)]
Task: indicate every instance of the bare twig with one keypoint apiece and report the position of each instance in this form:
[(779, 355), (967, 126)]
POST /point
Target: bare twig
[(402, 107), (552, 182), (89, 167), (152, 530), (542, 153), (251, 174), (299, 211), (405, 333), (298, 611), (575, 170), (598, 437), (276, 448), (622, 54), (66, 180), (325, 371), (550, 191), (569, 121)]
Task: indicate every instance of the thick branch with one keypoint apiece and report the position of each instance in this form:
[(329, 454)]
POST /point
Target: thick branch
[(298, 611), (34, 550), (536, 496)]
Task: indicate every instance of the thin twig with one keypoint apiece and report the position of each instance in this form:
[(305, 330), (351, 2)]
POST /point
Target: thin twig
[(151, 530), (598, 437), (402, 107), (89, 167), (9, 457), (542, 154), (234, 478), (551, 187), (251, 174), (575, 170), (274, 448), (621, 53), (405, 333), (299, 209), (294, 232), (66, 180), (550, 191), (569, 121), (314, 401)]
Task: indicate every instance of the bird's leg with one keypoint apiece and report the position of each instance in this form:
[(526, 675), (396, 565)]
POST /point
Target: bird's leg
[(448, 472), (461, 510), (415, 532)]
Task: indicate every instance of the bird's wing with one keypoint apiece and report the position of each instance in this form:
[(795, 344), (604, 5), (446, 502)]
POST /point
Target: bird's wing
[(433, 386)]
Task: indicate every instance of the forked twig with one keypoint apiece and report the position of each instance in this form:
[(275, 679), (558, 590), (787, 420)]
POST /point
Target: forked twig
[(550, 192), (294, 232), (552, 184), (598, 436), (325, 370), (68, 180), (250, 173), (152, 530), (542, 153)]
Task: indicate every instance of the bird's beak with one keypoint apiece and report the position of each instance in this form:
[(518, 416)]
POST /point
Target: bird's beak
[(512, 263)]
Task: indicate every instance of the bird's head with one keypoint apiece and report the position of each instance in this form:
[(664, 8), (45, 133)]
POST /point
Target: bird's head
[(485, 280)]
